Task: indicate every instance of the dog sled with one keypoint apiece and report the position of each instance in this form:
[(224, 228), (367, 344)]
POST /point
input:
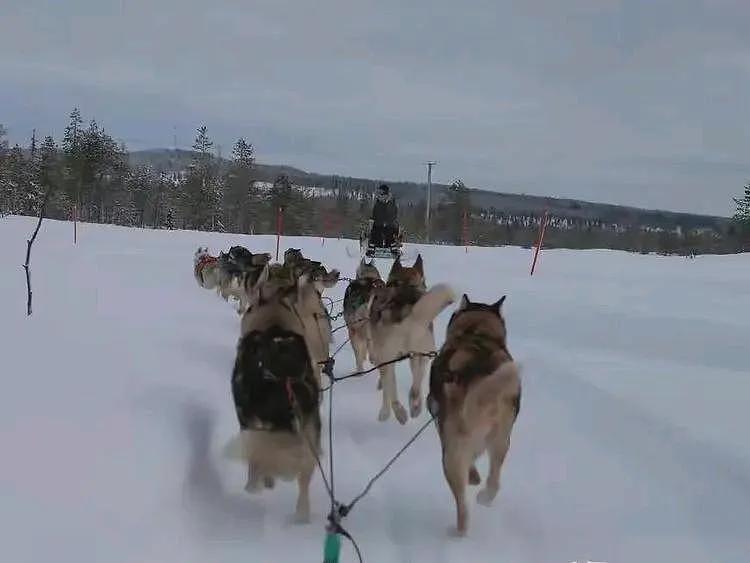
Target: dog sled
[(384, 245)]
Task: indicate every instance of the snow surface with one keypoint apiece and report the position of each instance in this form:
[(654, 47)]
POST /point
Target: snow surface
[(632, 443)]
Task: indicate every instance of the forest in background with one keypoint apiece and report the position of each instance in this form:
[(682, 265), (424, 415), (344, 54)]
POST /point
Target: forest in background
[(88, 175)]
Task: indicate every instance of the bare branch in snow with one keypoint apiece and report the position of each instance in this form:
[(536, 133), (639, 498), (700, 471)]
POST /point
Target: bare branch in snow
[(29, 242)]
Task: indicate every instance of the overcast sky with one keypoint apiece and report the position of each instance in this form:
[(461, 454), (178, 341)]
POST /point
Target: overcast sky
[(641, 102)]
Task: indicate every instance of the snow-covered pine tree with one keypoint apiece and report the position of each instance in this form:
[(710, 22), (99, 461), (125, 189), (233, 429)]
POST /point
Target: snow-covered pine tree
[(33, 191), (284, 196), (742, 214), (72, 157), (201, 196), (242, 201), (458, 204), (13, 182), (5, 191), (3, 140), (59, 204)]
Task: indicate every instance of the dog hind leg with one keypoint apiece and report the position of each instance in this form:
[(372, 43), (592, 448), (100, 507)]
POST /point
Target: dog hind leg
[(302, 512), (253, 479), (456, 471), (499, 443), (418, 371), (385, 408), (390, 396), (359, 345)]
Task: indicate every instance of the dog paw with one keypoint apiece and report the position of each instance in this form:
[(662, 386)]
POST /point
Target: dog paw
[(300, 518), (474, 478), (456, 533), (486, 496), (400, 412), (252, 487), (415, 404), (384, 414)]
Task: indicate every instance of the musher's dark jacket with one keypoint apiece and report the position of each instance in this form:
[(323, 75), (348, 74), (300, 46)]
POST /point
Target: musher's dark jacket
[(385, 212)]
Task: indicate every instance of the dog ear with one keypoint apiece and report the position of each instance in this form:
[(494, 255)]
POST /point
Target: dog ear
[(465, 302), (418, 265), (498, 305), (397, 265)]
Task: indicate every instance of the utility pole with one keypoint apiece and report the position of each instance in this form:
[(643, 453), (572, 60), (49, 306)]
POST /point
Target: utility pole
[(429, 164)]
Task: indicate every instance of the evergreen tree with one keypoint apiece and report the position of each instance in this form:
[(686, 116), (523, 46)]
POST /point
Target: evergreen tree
[(243, 204), (3, 141), (72, 156), (291, 202), (243, 153), (201, 189), (48, 178), (14, 182), (458, 205), (32, 190), (742, 214)]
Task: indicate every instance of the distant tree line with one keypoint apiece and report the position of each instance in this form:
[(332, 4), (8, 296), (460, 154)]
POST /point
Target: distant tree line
[(92, 178)]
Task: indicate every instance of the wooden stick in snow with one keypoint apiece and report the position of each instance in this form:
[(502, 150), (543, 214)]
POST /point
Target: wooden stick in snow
[(28, 251)]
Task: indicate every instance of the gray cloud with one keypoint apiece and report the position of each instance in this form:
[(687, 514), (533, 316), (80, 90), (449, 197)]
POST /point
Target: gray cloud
[(635, 102)]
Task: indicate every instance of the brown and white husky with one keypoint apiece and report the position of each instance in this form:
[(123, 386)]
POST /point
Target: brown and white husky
[(475, 396)]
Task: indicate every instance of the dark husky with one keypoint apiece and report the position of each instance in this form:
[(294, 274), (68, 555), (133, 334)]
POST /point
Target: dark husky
[(298, 265), (357, 299), (238, 269), (475, 395), (275, 389)]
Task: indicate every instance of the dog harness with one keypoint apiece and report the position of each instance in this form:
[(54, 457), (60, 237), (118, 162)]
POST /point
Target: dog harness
[(203, 262), (272, 366), (482, 346)]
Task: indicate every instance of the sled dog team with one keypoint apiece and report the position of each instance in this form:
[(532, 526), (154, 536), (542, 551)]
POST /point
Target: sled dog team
[(474, 388)]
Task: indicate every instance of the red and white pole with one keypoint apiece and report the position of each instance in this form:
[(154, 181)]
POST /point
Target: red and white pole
[(542, 230), (279, 228), (466, 230)]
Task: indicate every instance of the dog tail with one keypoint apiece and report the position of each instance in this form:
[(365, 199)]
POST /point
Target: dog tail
[(432, 303), (498, 394)]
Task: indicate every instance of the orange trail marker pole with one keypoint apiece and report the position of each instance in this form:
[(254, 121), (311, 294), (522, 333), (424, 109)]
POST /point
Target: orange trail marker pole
[(466, 231), (279, 227), (542, 230)]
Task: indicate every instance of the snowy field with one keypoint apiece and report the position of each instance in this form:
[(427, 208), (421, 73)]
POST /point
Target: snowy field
[(632, 446)]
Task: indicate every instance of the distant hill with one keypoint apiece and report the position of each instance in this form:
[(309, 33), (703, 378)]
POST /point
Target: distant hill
[(168, 160)]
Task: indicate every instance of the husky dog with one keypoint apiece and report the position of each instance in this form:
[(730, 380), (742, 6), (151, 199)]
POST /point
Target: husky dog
[(275, 391), (246, 260), (206, 269), (298, 264), (278, 280), (240, 269), (401, 316), (357, 300), (475, 395)]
